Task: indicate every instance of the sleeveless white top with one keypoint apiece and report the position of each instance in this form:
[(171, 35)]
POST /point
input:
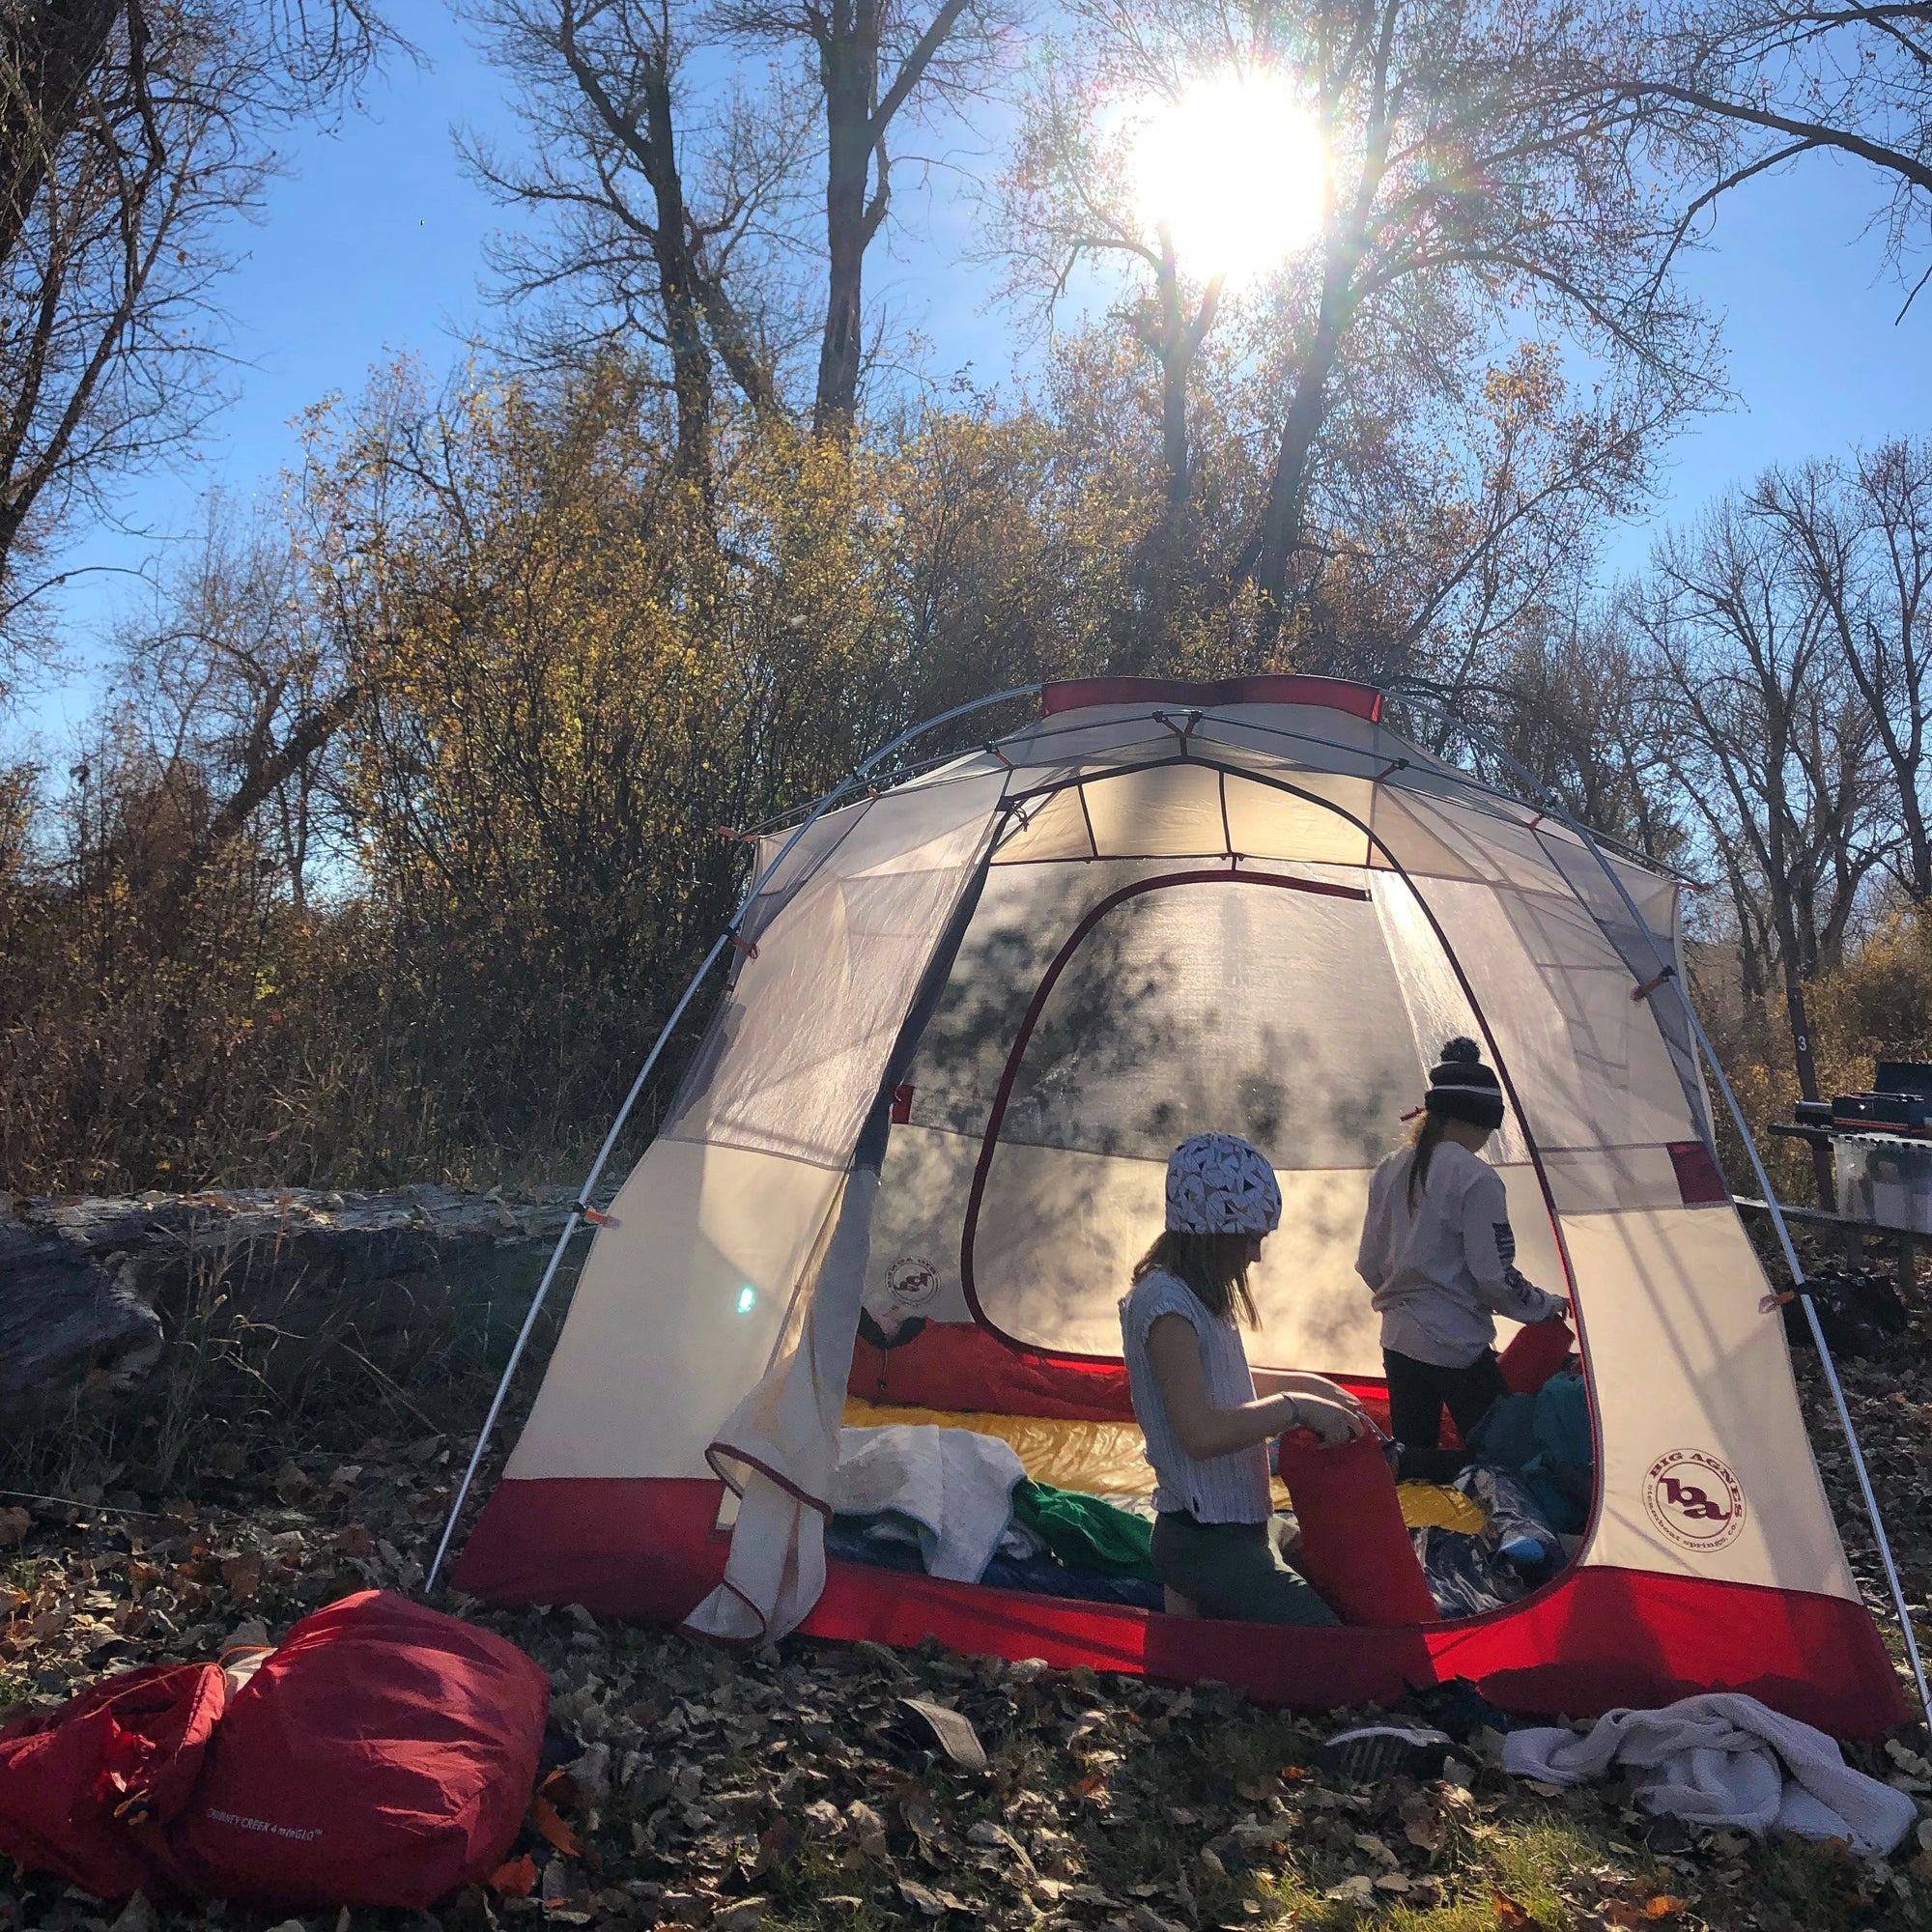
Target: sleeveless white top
[(1222, 1489)]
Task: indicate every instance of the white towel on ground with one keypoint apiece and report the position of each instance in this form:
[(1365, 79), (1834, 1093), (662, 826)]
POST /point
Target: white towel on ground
[(1726, 1759), (955, 1483)]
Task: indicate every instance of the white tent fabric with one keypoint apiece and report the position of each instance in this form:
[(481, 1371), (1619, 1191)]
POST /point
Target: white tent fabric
[(1264, 920)]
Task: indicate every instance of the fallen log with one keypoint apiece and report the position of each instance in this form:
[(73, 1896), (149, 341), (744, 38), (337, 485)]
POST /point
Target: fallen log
[(95, 1292)]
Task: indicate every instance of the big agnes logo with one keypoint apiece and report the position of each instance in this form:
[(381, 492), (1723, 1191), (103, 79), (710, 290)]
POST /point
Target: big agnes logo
[(1695, 1499)]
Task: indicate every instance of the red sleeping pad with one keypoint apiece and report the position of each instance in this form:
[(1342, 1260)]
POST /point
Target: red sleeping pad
[(1535, 1353), (1355, 1548), (381, 1756)]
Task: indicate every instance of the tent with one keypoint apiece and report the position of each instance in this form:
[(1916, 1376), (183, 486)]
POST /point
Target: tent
[(969, 1013)]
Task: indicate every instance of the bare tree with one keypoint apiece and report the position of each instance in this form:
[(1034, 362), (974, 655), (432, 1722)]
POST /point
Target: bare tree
[(1065, 199), (47, 55), (1860, 533), (873, 62), (1472, 176), (652, 235), (1756, 84), (1771, 747), (135, 140)]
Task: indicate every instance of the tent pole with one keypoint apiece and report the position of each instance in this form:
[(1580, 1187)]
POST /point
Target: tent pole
[(581, 1210), (562, 1242), (1556, 807)]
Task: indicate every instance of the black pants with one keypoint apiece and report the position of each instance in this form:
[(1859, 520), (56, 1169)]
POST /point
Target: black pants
[(1418, 1394)]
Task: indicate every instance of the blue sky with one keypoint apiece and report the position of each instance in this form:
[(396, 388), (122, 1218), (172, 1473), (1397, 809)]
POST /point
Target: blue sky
[(373, 248)]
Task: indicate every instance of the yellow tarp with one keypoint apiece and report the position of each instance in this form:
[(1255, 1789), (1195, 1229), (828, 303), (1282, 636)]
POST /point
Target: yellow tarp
[(1109, 1459)]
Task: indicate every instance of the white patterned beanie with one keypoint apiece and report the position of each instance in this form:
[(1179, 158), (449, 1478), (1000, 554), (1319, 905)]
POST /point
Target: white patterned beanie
[(1218, 1185)]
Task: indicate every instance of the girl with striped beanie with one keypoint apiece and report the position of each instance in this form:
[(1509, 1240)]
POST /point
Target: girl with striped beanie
[(1439, 1258)]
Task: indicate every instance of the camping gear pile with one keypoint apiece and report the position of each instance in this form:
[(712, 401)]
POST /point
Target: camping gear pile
[(971, 1010), (383, 1754)]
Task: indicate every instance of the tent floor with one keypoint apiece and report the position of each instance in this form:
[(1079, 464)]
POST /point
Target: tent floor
[(1593, 1639)]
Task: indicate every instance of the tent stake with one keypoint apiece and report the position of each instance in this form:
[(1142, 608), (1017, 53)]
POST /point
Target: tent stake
[(1557, 809), (728, 937)]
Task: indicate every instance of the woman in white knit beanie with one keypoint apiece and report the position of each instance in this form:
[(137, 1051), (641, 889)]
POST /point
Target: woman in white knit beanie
[(1217, 1540)]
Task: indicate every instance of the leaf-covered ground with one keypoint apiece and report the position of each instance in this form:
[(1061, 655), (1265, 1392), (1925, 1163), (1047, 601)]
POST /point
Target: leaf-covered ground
[(794, 1789)]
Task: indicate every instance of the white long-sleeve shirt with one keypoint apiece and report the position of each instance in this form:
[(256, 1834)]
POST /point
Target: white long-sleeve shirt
[(1442, 1273)]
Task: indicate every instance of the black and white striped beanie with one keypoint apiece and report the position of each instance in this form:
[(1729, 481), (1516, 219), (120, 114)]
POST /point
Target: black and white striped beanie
[(1462, 1088)]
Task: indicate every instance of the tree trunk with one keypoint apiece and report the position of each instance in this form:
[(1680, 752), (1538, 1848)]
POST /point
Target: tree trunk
[(1280, 533), (683, 298), (45, 62), (849, 66), (1802, 1063), (96, 1293), (1176, 342)]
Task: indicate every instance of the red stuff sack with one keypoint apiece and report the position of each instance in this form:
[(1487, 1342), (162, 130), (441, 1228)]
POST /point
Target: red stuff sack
[(83, 1788), (384, 1755), (1535, 1353), (1355, 1545)]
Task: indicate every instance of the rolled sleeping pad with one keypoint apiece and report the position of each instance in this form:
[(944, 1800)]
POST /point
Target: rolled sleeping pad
[(1355, 1550), (1535, 1353)]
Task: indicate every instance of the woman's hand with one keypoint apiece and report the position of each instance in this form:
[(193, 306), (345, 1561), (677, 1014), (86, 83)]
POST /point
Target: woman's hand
[(1336, 1418)]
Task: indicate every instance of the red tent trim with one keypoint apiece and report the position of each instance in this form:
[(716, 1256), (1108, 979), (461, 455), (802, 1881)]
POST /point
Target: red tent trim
[(1333, 693), (1596, 1638)]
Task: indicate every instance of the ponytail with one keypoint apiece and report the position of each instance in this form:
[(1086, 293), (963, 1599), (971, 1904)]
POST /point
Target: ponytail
[(1425, 1137)]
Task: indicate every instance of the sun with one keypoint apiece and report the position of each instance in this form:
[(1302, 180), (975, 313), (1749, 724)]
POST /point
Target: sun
[(1234, 169)]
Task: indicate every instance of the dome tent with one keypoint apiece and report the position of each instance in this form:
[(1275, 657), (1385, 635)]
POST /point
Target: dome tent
[(971, 1011)]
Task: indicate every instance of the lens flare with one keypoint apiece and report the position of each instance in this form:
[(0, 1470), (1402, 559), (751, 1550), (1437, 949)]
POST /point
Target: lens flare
[(1234, 170)]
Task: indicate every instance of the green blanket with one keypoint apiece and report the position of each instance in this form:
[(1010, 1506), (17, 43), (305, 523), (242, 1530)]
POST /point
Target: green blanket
[(1083, 1532)]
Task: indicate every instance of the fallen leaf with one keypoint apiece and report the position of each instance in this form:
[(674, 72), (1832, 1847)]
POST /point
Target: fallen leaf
[(1510, 1914), (1422, 1824), (741, 1916), (954, 1732), (920, 1899), (1664, 1906), (776, 1844), (14, 1523), (354, 1541), (517, 1878), (292, 1482), (544, 1816), (1089, 1787), (244, 1576), (136, 1916)]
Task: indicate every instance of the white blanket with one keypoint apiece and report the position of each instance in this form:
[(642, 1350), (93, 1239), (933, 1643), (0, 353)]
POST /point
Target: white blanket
[(955, 1483), (1724, 1760)]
